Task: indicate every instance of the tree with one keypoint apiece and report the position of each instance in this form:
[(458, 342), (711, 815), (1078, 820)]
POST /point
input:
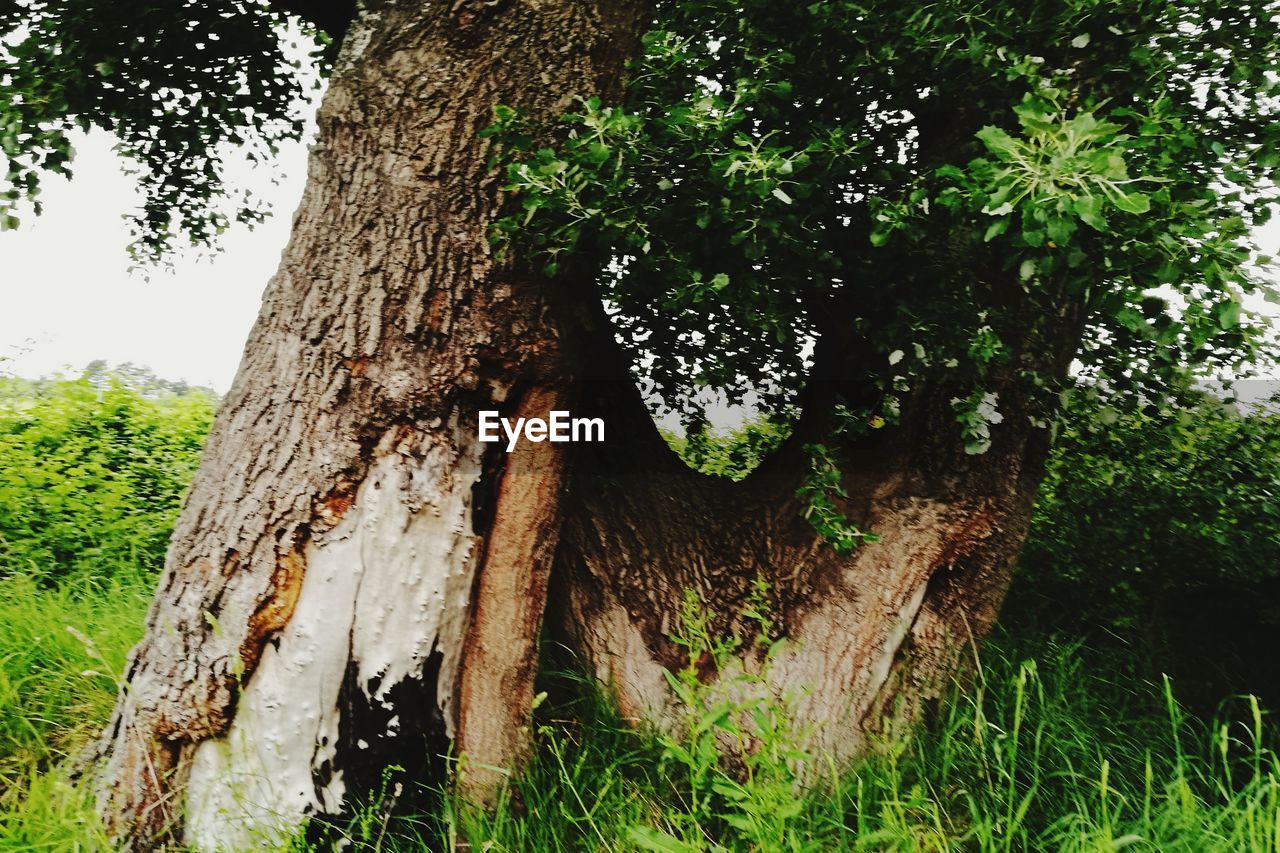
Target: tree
[(899, 224), (346, 451), (903, 225)]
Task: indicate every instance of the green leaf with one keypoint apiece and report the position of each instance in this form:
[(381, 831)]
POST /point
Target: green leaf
[(998, 142), (729, 790), (1133, 203), (1131, 319), (781, 196), (995, 229), (1089, 209), (647, 838), (1080, 41), (1228, 314)]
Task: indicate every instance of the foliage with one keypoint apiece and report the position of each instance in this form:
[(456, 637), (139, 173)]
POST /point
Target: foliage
[(943, 186), (177, 82), (1163, 525), (733, 453), (735, 765), (92, 472), (820, 488)]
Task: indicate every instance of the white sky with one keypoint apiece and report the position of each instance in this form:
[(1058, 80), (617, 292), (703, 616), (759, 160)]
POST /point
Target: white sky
[(67, 296)]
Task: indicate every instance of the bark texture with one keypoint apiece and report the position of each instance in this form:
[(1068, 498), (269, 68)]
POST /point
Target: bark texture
[(876, 637), (316, 602)]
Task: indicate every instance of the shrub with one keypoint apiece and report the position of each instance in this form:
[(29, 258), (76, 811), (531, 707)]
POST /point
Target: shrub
[(92, 472), (1162, 526)]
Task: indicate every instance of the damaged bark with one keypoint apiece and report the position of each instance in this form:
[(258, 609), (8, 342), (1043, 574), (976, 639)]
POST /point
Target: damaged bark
[(316, 601)]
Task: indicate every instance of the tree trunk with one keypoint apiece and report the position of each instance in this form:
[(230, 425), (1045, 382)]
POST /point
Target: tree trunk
[(355, 579), (874, 638)]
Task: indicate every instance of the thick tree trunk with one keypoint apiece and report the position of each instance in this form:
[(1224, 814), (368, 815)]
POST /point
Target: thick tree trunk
[(357, 581), (320, 617), (876, 637)]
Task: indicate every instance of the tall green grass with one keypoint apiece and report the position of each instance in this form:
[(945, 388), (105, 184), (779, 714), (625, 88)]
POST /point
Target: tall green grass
[(61, 651), (1047, 747), (1058, 754)]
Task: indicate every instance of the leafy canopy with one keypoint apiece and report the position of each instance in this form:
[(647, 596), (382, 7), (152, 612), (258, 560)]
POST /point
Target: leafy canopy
[(936, 183), (177, 82), (933, 184)]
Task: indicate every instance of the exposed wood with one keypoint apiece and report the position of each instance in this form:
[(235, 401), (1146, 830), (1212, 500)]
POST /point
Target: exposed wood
[(310, 619), (499, 659)]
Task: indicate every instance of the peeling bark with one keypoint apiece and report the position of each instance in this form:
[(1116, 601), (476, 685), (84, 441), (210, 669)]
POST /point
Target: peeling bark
[(312, 614)]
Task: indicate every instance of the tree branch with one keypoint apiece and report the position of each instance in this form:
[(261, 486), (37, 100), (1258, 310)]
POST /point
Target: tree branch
[(331, 16)]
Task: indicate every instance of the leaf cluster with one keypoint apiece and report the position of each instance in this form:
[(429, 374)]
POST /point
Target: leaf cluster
[(736, 760), (967, 184), (178, 83), (92, 472)]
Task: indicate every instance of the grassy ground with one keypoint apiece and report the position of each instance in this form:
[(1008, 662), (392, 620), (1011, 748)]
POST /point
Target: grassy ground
[(1049, 748), (61, 650)]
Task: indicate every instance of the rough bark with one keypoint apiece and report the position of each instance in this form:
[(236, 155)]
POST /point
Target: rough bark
[(356, 581), (876, 637), (315, 607)]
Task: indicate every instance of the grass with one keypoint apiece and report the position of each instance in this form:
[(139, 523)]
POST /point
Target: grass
[(1051, 755), (61, 650), (1051, 746)]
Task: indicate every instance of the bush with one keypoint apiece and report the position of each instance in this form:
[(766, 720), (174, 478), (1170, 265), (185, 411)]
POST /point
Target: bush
[(1163, 527), (92, 472)]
